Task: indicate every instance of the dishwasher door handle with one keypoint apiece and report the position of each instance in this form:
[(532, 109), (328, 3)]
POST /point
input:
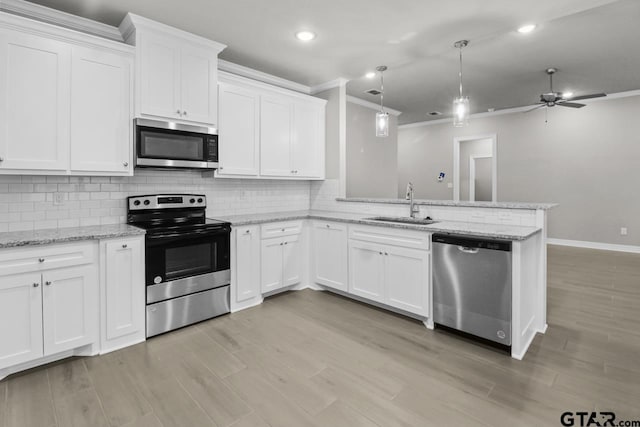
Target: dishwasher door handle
[(467, 250)]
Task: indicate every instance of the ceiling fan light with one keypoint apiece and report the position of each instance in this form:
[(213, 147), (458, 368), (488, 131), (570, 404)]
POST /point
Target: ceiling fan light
[(461, 111), (382, 124), (527, 28)]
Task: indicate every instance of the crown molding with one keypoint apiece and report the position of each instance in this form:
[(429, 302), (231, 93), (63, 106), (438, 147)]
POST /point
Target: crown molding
[(332, 84), (241, 70), (617, 95), (225, 77), (55, 17), (362, 102)]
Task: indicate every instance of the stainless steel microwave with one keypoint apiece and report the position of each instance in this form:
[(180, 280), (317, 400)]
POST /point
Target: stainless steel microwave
[(174, 145)]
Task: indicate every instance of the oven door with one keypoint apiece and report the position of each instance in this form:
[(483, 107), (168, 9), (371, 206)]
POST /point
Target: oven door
[(180, 263)]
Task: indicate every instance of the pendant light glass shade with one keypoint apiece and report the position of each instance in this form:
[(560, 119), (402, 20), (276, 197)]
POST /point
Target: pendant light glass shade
[(382, 124), (461, 111), (382, 117), (461, 103)]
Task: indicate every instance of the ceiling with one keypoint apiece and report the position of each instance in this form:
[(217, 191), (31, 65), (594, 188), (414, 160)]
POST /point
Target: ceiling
[(591, 42)]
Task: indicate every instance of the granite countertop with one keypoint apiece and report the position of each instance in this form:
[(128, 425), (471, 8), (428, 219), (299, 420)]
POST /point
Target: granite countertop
[(495, 231), (60, 235), (495, 205)]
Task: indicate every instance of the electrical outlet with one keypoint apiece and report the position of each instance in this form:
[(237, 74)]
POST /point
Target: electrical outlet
[(623, 231), (58, 199)]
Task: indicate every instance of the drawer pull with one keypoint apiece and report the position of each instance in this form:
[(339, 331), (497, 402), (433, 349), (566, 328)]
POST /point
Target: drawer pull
[(40, 259), (48, 283), (35, 285), (328, 226), (124, 246)]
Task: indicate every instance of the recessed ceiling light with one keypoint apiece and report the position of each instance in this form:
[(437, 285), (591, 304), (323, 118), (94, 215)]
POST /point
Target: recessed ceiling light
[(526, 28), (567, 95), (370, 75), (305, 35)]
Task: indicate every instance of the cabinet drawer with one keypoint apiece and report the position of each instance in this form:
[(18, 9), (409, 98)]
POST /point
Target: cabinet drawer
[(38, 258), (391, 236), (279, 229)]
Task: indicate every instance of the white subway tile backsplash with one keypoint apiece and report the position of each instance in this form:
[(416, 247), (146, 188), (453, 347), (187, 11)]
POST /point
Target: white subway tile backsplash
[(27, 202)]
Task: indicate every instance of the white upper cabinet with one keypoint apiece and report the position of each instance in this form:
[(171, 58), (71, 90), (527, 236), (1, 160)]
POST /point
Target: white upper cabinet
[(308, 140), (239, 133), (176, 74), (65, 101), (268, 132), (35, 83), (101, 112), (275, 136)]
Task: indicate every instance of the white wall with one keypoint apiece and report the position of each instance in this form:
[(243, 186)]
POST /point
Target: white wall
[(371, 161), (26, 202), (587, 160)]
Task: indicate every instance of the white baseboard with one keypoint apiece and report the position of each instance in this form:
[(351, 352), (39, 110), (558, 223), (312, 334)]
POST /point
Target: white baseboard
[(595, 245)]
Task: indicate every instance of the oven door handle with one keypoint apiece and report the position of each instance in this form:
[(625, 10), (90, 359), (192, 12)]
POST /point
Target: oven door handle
[(154, 236)]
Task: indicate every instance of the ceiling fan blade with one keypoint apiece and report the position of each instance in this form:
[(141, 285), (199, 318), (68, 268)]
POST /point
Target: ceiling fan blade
[(535, 108), (570, 104), (593, 95)]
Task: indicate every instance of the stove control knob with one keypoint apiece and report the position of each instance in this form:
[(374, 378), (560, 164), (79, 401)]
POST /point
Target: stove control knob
[(146, 202), (200, 200), (136, 203), (192, 201)]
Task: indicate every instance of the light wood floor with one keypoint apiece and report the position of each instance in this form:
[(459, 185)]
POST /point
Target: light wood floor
[(313, 358)]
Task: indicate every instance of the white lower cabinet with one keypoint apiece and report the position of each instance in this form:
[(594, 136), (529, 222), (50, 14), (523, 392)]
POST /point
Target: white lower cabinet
[(69, 302), (122, 302), (281, 263), (70, 299), (329, 254), (20, 319), (392, 275), (246, 271)]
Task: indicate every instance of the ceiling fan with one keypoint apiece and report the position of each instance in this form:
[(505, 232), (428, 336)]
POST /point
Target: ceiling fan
[(551, 98)]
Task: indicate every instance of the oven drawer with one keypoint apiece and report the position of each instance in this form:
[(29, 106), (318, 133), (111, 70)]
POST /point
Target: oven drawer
[(280, 229), (178, 312), (188, 285)]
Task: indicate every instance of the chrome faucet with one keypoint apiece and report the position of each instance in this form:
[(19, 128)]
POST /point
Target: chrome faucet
[(413, 208)]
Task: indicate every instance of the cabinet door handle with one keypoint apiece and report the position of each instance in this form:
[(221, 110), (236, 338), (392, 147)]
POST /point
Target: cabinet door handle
[(124, 246), (35, 285), (40, 259), (125, 164), (381, 253), (1, 159), (328, 226), (386, 253), (179, 112), (286, 243), (48, 283), (184, 113), (248, 231)]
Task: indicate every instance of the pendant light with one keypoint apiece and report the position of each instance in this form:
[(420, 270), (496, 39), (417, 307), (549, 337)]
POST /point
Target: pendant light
[(461, 103), (382, 117)]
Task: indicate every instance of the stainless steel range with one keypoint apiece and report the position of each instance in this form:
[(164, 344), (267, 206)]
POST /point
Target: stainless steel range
[(187, 260)]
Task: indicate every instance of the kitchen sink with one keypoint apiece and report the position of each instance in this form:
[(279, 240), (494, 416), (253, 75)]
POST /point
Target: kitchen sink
[(403, 220)]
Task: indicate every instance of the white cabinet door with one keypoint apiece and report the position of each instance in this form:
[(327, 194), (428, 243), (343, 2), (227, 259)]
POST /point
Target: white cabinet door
[(239, 132), (247, 271), (34, 102), (307, 149), (275, 136), (292, 260), (69, 308), (366, 270), (160, 76), (407, 279), (271, 264), (20, 319), (101, 112), (123, 302), (199, 85), (330, 254)]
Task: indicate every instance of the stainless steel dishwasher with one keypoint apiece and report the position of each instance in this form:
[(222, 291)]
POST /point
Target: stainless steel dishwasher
[(472, 286)]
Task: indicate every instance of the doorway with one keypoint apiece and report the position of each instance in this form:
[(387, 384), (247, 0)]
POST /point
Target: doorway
[(475, 168)]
